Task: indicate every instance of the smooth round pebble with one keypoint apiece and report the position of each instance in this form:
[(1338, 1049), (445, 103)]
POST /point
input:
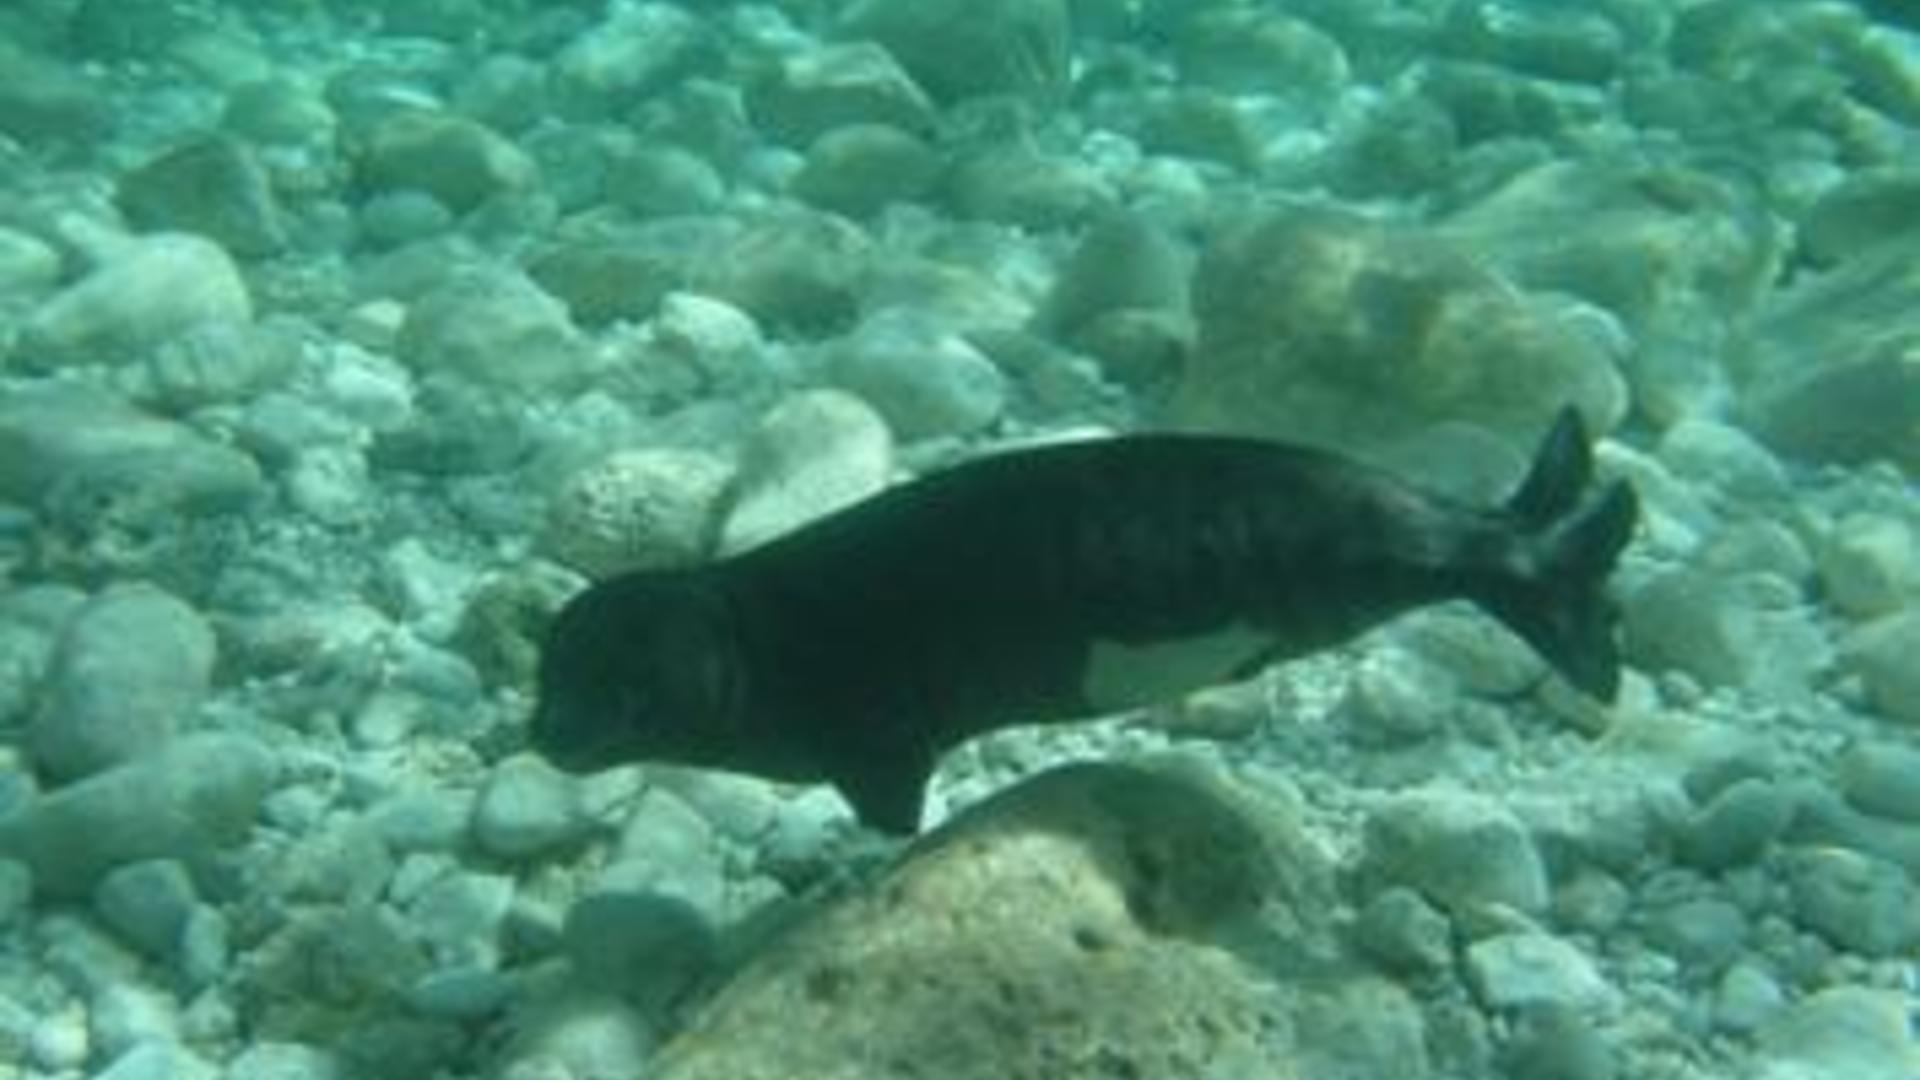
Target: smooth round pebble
[(926, 380), (129, 671), (1461, 849), (526, 807), (148, 903), (813, 453), (634, 510), (283, 1061), (1527, 969), (1737, 826), (1882, 779), (1858, 902), (150, 290)]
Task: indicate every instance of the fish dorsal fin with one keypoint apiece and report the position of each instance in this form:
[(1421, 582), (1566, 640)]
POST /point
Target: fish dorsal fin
[(1561, 467)]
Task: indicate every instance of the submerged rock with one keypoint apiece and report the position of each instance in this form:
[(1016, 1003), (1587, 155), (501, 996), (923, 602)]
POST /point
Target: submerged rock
[(1070, 928), (145, 292), (959, 49)]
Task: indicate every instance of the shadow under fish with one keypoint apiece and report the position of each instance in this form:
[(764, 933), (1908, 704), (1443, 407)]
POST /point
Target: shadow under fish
[(1056, 584)]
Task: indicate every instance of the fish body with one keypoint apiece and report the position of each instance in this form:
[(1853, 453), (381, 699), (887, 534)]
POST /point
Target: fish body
[(1054, 584)]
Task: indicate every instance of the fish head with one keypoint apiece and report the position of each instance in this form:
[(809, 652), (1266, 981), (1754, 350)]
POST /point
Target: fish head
[(637, 668)]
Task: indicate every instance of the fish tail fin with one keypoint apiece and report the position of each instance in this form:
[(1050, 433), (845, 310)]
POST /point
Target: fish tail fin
[(1554, 597)]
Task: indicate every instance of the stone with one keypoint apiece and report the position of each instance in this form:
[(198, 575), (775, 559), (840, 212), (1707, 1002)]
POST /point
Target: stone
[(860, 169), (221, 362), (1401, 930), (1737, 826), (836, 86), (402, 216), (636, 509), (1463, 851), (1675, 254), (526, 807), (145, 292), (1324, 328), (198, 794), (28, 265), (1869, 565), (45, 101), (457, 160), (1080, 924), (1528, 970), (460, 917), (1881, 653), (815, 452), (494, 325), (1881, 777), (647, 947), (1125, 264), (280, 112), (129, 671), (213, 186), (273, 1060), (925, 379), (148, 903), (1252, 50), (1745, 997), (579, 1034), (16, 891), (1577, 46), (158, 1060), (1860, 401), (1021, 186), (1737, 469), (1858, 902), (661, 181), (1694, 622), (794, 273), (1845, 1031), (959, 49), (1703, 933), (1863, 210), (1560, 1044), (636, 50)]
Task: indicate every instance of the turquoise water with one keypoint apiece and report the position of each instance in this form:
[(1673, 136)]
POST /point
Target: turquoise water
[(342, 342)]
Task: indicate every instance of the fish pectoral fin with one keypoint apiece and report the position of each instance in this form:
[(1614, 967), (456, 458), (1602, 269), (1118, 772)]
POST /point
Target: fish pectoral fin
[(886, 786)]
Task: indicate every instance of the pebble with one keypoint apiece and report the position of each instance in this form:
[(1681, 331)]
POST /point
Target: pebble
[(283, 1061), (423, 819), (147, 291), (1846, 1031), (1881, 778), (158, 1060), (124, 1015), (1737, 826), (491, 324), (526, 807), (661, 181), (16, 891), (129, 671), (1745, 997), (1400, 929), (459, 917), (279, 111), (59, 1041), (579, 1034), (1018, 48), (1526, 969), (1858, 902), (28, 266), (633, 51), (197, 794), (220, 362), (457, 160), (815, 452), (213, 186), (1870, 565), (647, 947), (636, 510), (1462, 850), (836, 87), (461, 993), (1882, 653), (860, 169), (149, 903), (1560, 1044), (1725, 459), (1703, 933), (926, 380)]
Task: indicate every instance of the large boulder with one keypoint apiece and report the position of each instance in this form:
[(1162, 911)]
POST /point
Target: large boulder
[(1100, 920)]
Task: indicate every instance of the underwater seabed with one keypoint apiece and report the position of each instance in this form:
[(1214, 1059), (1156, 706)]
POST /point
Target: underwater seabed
[(341, 342)]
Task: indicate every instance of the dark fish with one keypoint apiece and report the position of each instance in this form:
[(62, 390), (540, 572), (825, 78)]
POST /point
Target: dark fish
[(1053, 584)]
